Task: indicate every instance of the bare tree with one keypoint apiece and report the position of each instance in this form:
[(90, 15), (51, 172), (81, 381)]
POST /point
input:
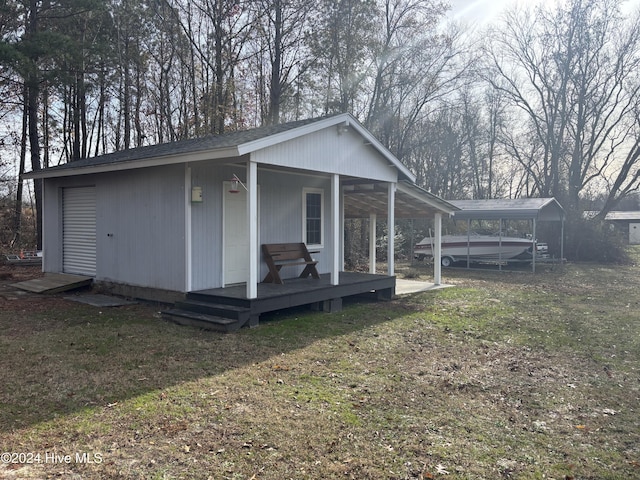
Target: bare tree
[(572, 74), (282, 55)]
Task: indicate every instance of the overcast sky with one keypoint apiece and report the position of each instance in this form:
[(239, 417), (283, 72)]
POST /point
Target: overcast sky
[(481, 12)]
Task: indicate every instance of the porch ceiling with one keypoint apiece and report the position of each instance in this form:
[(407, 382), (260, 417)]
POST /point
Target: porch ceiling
[(363, 198)]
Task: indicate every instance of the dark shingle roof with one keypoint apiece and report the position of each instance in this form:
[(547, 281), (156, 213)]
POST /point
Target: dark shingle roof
[(211, 142)]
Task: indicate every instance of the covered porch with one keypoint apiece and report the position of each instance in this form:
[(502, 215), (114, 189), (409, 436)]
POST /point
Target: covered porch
[(233, 306), (228, 309)]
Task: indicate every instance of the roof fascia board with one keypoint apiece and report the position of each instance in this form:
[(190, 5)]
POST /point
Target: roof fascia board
[(428, 198), (496, 214), (229, 152)]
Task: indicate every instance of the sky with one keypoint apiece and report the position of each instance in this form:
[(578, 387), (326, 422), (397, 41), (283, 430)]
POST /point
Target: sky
[(482, 12)]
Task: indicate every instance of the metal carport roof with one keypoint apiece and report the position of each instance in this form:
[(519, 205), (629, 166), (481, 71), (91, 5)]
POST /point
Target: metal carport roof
[(544, 209)]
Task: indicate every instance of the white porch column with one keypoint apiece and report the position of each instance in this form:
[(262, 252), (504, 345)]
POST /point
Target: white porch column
[(391, 227), (372, 242), (437, 249), (252, 218), (335, 229), (341, 232)]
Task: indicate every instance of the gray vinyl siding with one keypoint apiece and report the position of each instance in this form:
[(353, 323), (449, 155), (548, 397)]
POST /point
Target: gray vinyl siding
[(141, 228), (327, 152), (140, 220), (280, 217), (281, 213), (206, 225)]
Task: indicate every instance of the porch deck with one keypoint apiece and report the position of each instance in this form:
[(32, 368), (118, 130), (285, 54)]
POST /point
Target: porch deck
[(228, 308)]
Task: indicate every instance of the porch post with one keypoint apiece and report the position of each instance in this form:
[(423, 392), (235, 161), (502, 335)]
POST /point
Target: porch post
[(437, 250), (372, 242), (341, 231), (335, 229), (391, 227), (252, 217)]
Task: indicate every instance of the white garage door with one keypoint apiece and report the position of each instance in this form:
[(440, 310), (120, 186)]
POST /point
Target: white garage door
[(79, 230)]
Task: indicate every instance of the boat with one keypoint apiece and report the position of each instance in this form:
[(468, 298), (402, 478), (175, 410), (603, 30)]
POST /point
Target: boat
[(476, 248), (25, 258)]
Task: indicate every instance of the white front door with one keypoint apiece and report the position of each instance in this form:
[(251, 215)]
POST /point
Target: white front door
[(236, 236)]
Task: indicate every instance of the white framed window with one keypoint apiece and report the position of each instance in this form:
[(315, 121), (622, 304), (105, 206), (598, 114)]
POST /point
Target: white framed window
[(313, 216)]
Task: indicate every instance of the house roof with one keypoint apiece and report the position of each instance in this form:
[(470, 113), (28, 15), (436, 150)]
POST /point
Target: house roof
[(620, 216), (228, 145), (519, 209)]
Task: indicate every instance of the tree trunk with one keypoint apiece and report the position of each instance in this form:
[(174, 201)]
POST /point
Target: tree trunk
[(17, 222), (275, 90)]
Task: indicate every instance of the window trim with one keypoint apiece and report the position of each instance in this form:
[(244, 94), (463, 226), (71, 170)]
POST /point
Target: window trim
[(305, 192)]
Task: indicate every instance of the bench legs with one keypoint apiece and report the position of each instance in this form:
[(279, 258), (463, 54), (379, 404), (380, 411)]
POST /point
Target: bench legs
[(310, 270), (274, 274)]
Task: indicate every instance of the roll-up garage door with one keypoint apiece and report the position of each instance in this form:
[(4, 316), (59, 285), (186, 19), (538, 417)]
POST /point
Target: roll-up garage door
[(79, 230)]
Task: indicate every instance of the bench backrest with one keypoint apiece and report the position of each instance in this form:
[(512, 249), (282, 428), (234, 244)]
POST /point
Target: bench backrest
[(286, 251)]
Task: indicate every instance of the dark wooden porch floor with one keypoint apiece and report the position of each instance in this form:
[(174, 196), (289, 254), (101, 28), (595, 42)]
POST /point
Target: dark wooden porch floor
[(300, 291), (231, 308)]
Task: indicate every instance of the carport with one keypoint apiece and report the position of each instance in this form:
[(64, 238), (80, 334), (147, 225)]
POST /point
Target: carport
[(531, 209), (364, 199)]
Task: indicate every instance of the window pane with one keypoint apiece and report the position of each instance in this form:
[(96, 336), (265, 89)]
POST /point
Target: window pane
[(314, 208), (314, 218), (314, 235)]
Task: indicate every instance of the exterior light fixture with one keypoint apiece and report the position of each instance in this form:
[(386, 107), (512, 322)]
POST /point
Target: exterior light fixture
[(235, 183)]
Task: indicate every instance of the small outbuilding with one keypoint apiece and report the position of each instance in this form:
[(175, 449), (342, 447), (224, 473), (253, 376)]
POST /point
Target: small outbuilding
[(626, 220), (190, 218)]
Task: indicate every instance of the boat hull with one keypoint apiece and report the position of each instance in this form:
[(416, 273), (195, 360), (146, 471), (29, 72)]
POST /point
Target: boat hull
[(476, 248)]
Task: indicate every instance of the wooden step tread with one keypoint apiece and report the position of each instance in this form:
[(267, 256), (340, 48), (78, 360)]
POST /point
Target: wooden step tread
[(203, 317), (220, 306)]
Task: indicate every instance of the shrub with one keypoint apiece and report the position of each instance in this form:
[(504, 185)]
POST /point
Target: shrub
[(595, 240)]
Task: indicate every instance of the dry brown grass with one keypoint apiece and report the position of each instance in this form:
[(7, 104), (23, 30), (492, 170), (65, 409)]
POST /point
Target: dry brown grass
[(507, 375)]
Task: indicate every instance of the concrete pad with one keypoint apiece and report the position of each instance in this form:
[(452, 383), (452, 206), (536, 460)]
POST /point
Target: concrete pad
[(98, 300), (406, 287)]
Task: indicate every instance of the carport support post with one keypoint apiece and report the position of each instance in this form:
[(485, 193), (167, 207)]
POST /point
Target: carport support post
[(372, 242), (534, 248), (252, 217), (391, 228), (562, 241), (437, 250)]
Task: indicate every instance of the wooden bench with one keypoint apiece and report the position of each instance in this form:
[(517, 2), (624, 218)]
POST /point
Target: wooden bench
[(278, 255)]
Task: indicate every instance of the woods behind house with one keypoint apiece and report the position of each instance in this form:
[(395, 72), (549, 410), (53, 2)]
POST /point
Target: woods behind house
[(542, 102)]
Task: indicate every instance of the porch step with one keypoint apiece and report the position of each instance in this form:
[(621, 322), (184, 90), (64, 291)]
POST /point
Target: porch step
[(212, 298), (216, 309), (202, 320)]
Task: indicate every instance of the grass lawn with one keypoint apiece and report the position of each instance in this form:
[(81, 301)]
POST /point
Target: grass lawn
[(507, 375)]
